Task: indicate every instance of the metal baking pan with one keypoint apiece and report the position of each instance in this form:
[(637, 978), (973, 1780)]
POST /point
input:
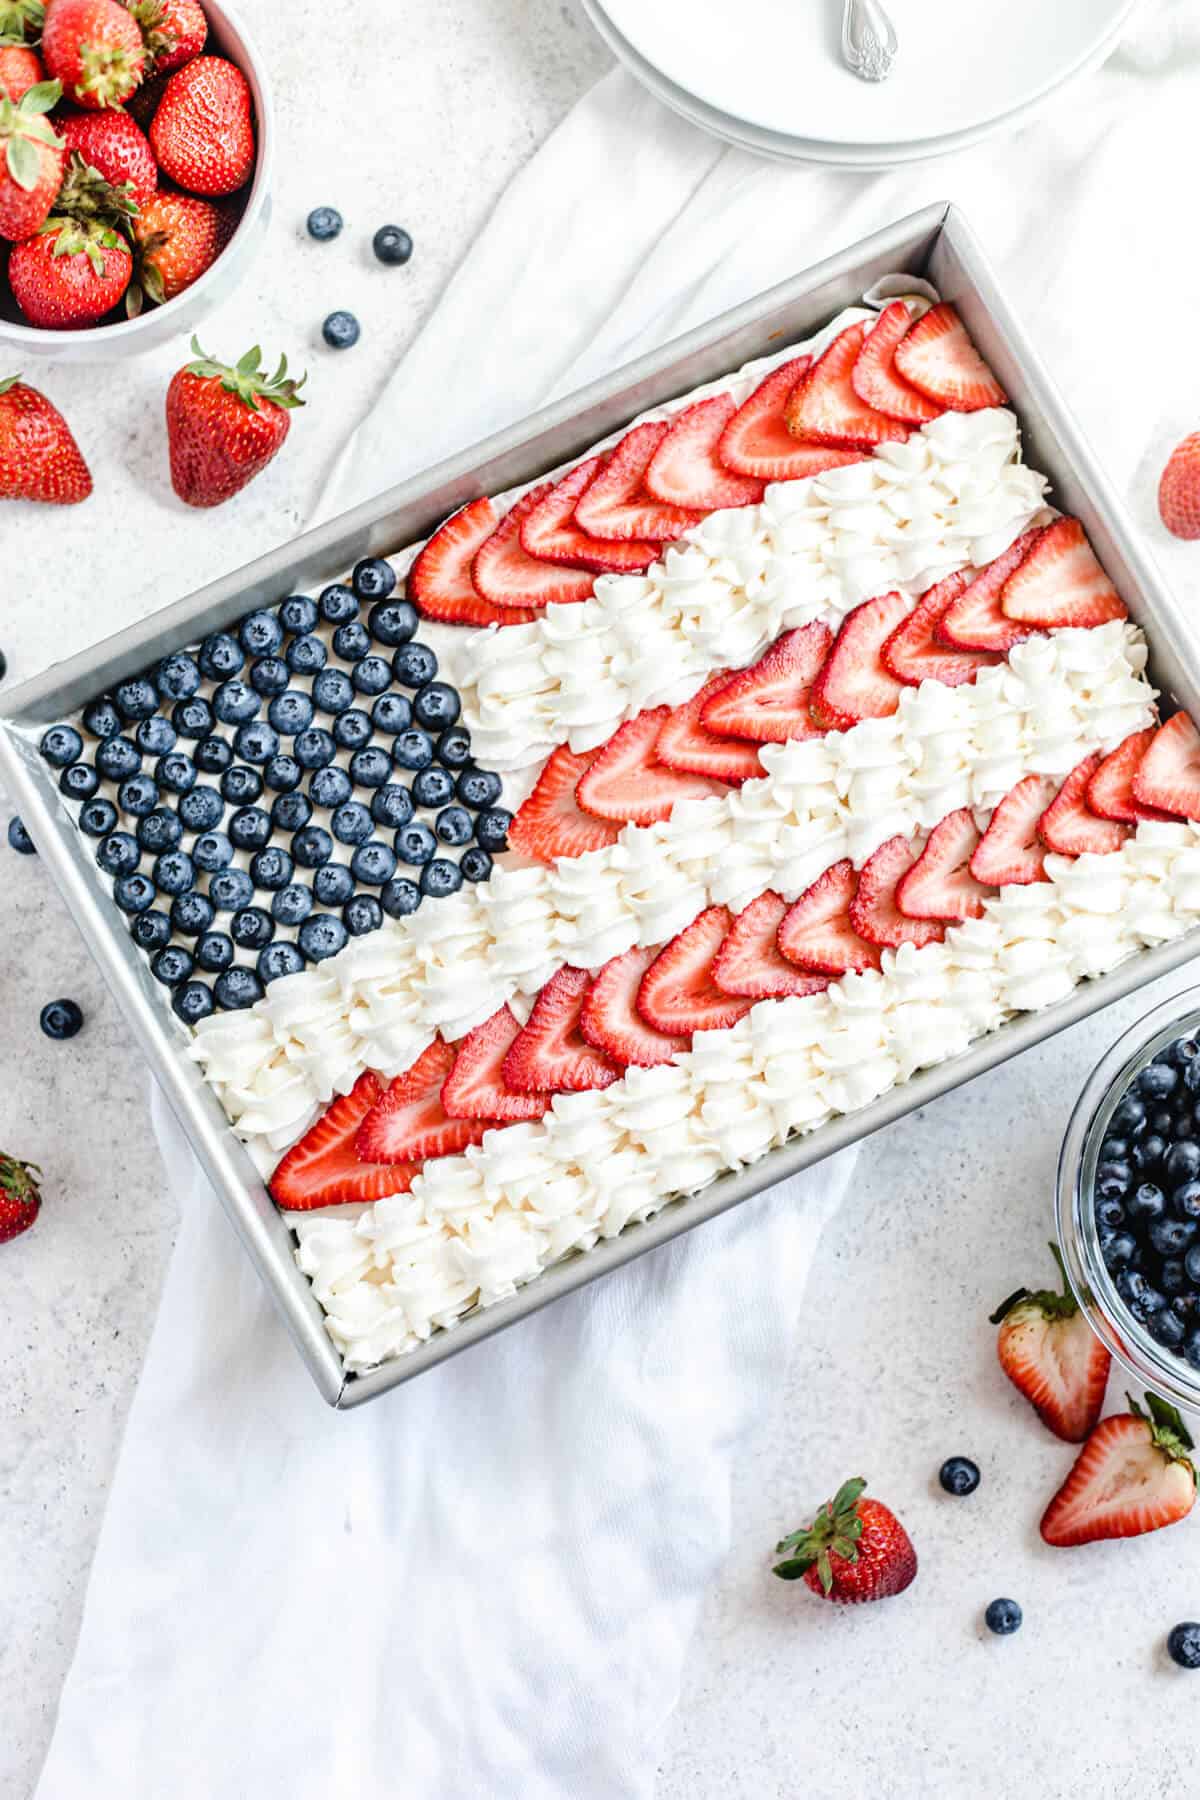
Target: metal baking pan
[(936, 243)]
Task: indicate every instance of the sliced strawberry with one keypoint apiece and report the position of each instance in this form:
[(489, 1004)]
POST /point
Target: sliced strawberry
[(1061, 583), (768, 702), (1110, 791), (750, 963), (549, 822), (815, 932), (1133, 1475), (1069, 826), (913, 654), (627, 784), (874, 375), (615, 504), (324, 1169), (940, 884), (938, 357), (475, 1087), (756, 440), (439, 583), (678, 994), (551, 1055), (1010, 851), (506, 574), (824, 408), (854, 683), (685, 471), (1051, 1355), (611, 1022), (409, 1122), (1169, 776), (549, 531), (874, 914), (686, 745), (976, 620)]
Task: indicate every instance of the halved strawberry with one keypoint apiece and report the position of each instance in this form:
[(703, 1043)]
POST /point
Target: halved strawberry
[(506, 574), (855, 684), (549, 531), (409, 1123), (685, 471), (1061, 583), (750, 963), (678, 994), (1110, 791), (1069, 827), (875, 378), (874, 914), (686, 745), (475, 1087), (1133, 1475), (816, 933), (976, 620), (1169, 775), (324, 1169), (615, 504), (439, 583), (549, 822), (1010, 850), (938, 357), (1051, 1355), (756, 440), (768, 702), (824, 408), (551, 1055), (913, 654), (627, 784), (611, 1022), (940, 884)]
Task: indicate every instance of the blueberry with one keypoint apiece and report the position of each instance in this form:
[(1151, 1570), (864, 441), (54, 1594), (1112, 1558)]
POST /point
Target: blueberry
[(341, 330), (1172, 1277), (1112, 1179), (1148, 1152), (373, 578), (337, 603), (235, 702), (118, 853), (414, 664), (392, 245), (475, 864), (372, 676), (1109, 1213), (220, 656), (177, 677), (174, 872), (373, 864), (400, 897), (98, 817), (231, 889), (1129, 1117), (1003, 1617), (257, 742), (1171, 1237), (1146, 1203), (192, 718), (391, 714), (138, 795), (241, 785), (433, 787), (440, 877), (321, 936), (312, 847), (298, 614), (214, 951), (1182, 1052), (413, 749), (1114, 1149), (352, 730), (1120, 1249), (391, 805), (1157, 1081), (283, 774), (201, 810), (136, 699), (176, 772), (491, 828), (19, 839), (1182, 1161), (155, 736), (330, 787), (959, 1476), (101, 718), (478, 788), (314, 748), (1166, 1328), (133, 893), (192, 1002), (351, 823), (350, 641), (291, 812), (61, 745), (1183, 1644), (415, 843), (277, 960), (61, 1019), (362, 914), (393, 623), (437, 706), (237, 988), (1186, 1200), (160, 830), (172, 965), (80, 781), (305, 655), (213, 756), (1191, 1077), (212, 851), (370, 767), (1191, 1263), (118, 757), (252, 928), (292, 904), (150, 930), (323, 223), (333, 884), (270, 676), (271, 868), (332, 691), (250, 828)]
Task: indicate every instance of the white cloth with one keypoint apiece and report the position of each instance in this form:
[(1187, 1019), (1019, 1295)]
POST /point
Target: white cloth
[(484, 1584)]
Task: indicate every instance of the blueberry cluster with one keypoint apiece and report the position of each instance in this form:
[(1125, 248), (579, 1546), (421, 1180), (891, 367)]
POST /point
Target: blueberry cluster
[(278, 775), (1146, 1198)]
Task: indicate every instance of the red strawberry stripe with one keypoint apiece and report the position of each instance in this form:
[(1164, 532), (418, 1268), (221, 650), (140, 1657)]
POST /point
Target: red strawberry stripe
[(475, 1087), (324, 1168), (615, 504), (678, 995), (874, 376), (756, 440), (549, 531), (768, 703), (686, 745), (439, 583), (551, 1055), (750, 964), (685, 470), (609, 1019), (409, 1122), (504, 572), (825, 409), (550, 822)]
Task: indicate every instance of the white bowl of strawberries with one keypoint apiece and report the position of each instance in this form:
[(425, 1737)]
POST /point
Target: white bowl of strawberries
[(136, 139)]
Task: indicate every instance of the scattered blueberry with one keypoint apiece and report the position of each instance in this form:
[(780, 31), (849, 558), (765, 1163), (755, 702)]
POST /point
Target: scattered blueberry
[(352, 730), (491, 828), (241, 785), (260, 634), (172, 965), (155, 736), (415, 843), (291, 812), (323, 223), (220, 656), (305, 655), (433, 787), (414, 664), (61, 1019), (133, 893), (231, 889), (250, 828), (150, 930), (475, 864), (392, 245), (400, 897), (333, 884), (192, 1002), (212, 851), (192, 718), (176, 772), (118, 853), (362, 914), (98, 817), (136, 699), (237, 988), (19, 839), (413, 749), (393, 623), (277, 960), (321, 936), (252, 928), (101, 718), (478, 788), (959, 1476), (1003, 1617), (201, 809), (80, 781), (340, 330), (158, 831), (1183, 1644), (270, 676), (177, 677), (61, 745), (337, 603), (440, 877), (118, 757), (138, 795), (292, 904)]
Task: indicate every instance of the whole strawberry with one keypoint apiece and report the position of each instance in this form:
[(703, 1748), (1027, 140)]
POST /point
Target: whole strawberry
[(31, 160), (224, 424), (116, 148), (39, 458), (1133, 1475), (20, 67), (95, 49), (1179, 490), (1051, 1355), (174, 31), (178, 237), (854, 1550), (202, 133), (71, 274), (20, 1197)]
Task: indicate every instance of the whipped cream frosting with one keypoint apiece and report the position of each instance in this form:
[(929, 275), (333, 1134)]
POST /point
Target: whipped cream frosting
[(448, 967), (476, 1227)]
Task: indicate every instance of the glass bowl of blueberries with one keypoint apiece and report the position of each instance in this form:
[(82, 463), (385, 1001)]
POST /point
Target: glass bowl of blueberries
[(1128, 1199)]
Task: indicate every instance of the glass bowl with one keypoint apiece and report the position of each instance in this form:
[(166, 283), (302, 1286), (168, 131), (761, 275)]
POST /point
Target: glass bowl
[(1154, 1366)]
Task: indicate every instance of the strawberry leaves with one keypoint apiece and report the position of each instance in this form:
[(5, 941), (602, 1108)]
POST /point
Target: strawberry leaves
[(23, 127), (835, 1531), (247, 380)]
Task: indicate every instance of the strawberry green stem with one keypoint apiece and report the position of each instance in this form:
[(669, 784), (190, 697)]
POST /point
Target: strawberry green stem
[(1054, 1306), (250, 383)]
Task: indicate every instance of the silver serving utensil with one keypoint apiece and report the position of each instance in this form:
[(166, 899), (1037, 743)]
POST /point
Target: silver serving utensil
[(869, 42)]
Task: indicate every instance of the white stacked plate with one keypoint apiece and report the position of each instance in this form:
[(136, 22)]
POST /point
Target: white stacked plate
[(768, 75)]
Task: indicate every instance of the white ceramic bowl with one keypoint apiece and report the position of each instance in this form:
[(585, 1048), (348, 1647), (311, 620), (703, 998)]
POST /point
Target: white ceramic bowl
[(19, 342)]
